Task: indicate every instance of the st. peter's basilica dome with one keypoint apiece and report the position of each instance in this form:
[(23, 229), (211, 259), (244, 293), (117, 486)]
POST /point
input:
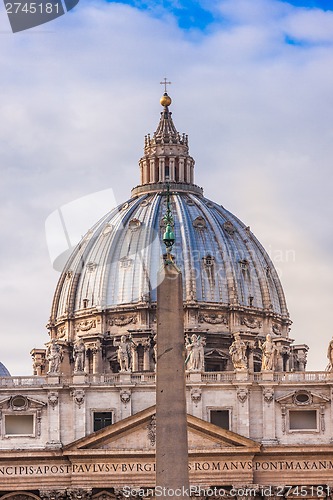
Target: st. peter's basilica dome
[(108, 285)]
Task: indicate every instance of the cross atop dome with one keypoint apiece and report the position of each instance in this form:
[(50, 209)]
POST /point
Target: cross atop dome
[(166, 156), (165, 99), (165, 83)]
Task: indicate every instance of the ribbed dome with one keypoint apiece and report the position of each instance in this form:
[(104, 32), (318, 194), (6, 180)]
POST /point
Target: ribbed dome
[(220, 259), (3, 371), (108, 286)]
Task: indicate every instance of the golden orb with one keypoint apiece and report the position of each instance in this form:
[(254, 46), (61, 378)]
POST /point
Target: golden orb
[(165, 100)]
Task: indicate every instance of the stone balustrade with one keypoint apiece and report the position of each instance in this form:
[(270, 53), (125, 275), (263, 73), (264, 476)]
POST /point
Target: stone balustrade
[(149, 378)]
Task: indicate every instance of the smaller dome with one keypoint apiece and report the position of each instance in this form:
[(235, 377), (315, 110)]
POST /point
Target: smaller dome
[(3, 371), (165, 100)]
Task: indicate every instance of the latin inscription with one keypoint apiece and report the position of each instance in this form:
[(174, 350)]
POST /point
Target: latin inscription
[(137, 467)]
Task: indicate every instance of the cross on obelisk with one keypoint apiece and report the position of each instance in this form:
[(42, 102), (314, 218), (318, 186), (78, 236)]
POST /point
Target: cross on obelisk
[(165, 83)]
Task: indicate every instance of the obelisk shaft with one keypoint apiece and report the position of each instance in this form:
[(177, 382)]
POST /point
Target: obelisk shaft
[(171, 421)]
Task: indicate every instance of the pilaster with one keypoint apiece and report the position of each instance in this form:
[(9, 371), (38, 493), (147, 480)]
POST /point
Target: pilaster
[(268, 410), (79, 412), (243, 411), (53, 416)]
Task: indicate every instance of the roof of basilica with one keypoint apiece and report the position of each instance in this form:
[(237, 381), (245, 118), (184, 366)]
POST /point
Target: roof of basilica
[(118, 260)]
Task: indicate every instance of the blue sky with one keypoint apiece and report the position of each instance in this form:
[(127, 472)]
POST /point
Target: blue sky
[(200, 15)]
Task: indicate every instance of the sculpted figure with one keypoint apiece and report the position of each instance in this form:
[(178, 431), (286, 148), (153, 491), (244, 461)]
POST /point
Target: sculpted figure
[(268, 353), (123, 353), (237, 352), (195, 350), (330, 356), (53, 355), (79, 356)]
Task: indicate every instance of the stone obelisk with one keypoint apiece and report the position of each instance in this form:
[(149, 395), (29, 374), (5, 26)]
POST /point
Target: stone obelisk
[(171, 422)]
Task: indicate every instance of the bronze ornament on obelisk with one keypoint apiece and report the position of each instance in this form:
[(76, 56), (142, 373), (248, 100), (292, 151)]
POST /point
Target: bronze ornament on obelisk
[(171, 416)]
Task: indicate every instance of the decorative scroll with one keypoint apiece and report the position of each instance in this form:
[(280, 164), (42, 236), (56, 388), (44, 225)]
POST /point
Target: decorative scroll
[(122, 320), (268, 395), (53, 399), (78, 396), (242, 394), (196, 395), (276, 329), (213, 319), (86, 325), (125, 397), (251, 323), (284, 417), (61, 332), (79, 494), (53, 495)]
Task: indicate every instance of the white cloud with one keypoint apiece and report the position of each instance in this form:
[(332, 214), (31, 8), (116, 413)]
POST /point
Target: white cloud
[(311, 25), (77, 100)]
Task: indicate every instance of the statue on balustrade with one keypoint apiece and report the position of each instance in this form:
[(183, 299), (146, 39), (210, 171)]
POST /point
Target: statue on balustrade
[(330, 356), (237, 352), (123, 353), (54, 357), (79, 356), (269, 353), (195, 360)]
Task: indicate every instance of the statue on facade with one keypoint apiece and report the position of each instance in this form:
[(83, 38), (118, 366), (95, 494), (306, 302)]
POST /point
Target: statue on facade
[(123, 353), (269, 352), (195, 353), (79, 356), (54, 357), (237, 352), (330, 356)]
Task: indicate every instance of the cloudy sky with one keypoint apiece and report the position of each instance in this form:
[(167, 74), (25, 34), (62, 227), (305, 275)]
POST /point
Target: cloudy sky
[(252, 85)]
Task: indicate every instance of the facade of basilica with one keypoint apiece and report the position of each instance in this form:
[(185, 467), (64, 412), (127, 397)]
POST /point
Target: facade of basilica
[(83, 425)]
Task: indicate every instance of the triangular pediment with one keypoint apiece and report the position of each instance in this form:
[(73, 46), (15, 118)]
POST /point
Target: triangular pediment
[(303, 398), (137, 434)]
